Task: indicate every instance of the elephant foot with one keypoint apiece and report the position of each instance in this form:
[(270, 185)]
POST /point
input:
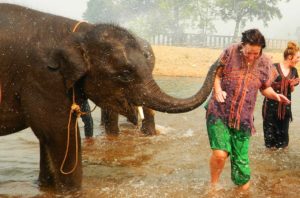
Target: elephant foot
[(112, 131), (48, 184), (59, 188), (148, 124), (149, 131), (45, 183)]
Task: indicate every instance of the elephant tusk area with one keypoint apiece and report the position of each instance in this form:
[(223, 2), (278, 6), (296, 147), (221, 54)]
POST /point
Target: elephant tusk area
[(141, 113)]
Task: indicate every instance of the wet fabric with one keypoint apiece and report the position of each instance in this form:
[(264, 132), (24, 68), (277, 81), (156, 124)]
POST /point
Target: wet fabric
[(276, 132), (241, 83), (277, 116), (236, 143)]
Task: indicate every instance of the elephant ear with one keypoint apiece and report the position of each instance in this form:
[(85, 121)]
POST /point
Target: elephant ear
[(70, 62)]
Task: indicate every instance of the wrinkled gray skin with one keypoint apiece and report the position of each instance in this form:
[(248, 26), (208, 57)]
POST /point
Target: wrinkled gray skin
[(110, 118), (42, 61)]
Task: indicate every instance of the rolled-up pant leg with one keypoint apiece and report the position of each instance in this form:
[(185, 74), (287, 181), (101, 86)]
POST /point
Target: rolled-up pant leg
[(240, 170)]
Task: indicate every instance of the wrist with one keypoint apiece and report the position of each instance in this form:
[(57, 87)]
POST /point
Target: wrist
[(278, 97), (218, 90)]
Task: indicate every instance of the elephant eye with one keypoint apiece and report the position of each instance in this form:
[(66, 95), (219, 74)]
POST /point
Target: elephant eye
[(146, 55), (125, 76)]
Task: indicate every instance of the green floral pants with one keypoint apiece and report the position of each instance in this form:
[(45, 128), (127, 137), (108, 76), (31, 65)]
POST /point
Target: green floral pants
[(236, 143)]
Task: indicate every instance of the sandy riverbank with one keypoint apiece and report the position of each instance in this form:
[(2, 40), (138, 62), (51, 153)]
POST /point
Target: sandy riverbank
[(182, 61)]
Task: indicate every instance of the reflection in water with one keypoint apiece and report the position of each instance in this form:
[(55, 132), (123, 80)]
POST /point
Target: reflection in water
[(171, 164)]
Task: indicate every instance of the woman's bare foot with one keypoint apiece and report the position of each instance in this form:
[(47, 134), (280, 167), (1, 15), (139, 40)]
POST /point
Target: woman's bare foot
[(245, 186)]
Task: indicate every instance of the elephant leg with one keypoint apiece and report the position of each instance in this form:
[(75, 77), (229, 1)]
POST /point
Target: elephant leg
[(103, 116), (111, 121), (56, 170), (148, 124), (46, 176), (68, 174)]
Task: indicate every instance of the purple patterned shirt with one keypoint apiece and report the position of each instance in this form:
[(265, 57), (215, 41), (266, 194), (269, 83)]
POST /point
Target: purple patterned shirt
[(241, 83)]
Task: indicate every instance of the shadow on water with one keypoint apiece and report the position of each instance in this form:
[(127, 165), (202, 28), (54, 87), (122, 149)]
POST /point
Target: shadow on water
[(171, 164)]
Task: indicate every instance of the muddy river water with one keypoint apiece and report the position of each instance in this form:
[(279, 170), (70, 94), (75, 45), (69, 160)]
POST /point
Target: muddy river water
[(171, 164)]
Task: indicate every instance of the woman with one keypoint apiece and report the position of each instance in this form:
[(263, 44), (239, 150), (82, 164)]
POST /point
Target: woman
[(276, 115), (243, 70)]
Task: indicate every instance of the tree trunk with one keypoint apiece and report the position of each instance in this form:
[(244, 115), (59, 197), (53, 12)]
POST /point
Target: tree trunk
[(236, 30)]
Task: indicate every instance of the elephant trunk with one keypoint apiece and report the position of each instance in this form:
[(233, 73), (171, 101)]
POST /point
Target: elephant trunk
[(154, 98)]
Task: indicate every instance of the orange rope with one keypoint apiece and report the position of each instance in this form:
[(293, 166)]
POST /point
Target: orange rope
[(77, 24), (74, 108)]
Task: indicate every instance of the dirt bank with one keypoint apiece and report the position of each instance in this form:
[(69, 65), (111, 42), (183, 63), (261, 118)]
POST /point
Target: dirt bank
[(182, 61)]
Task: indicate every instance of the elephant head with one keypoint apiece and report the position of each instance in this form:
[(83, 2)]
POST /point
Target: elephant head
[(109, 118), (114, 72)]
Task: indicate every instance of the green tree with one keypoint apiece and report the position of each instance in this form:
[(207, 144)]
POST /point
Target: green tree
[(204, 13), (152, 17), (101, 11), (242, 11), (129, 13), (193, 15)]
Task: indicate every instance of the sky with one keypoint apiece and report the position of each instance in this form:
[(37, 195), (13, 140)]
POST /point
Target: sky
[(283, 28)]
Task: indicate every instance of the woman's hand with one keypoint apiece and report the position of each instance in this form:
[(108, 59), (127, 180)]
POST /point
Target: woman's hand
[(270, 93), (294, 81), (283, 99), (220, 96)]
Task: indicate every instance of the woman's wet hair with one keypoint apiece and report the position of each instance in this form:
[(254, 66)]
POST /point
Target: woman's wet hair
[(253, 37), (291, 49)]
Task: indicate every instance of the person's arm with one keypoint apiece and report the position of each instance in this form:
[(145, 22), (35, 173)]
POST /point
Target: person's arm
[(270, 93), (294, 81), (220, 95)]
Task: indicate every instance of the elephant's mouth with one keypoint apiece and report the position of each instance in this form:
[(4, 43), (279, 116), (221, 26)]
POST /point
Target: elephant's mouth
[(123, 107)]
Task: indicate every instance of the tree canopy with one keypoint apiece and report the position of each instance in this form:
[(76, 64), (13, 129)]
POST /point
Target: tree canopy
[(241, 11), (152, 17)]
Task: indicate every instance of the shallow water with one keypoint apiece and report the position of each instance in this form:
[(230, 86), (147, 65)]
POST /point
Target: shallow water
[(171, 164)]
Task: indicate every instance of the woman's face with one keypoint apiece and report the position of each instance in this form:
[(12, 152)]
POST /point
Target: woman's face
[(293, 60), (251, 52)]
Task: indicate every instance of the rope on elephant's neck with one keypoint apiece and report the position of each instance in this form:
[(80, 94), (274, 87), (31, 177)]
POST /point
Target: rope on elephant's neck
[(74, 108), (77, 24)]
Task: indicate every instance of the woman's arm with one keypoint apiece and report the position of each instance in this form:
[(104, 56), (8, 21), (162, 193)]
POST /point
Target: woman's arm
[(293, 82), (270, 93), (220, 95)]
